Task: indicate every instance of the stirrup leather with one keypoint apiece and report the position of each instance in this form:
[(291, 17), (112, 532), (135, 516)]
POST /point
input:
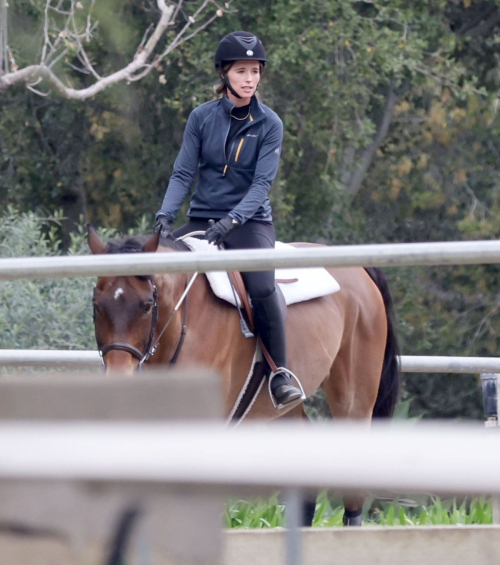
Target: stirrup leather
[(279, 371)]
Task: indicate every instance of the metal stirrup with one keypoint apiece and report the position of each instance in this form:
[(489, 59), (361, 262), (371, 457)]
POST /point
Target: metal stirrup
[(280, 371)]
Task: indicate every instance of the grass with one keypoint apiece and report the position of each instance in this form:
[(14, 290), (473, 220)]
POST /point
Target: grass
[(271, 514)]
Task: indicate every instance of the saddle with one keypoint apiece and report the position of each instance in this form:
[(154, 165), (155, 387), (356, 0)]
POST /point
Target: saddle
[(296, 285), (293, 286)]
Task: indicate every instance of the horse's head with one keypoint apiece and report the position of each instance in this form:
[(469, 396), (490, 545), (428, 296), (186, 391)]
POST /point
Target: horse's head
[(125, 308)]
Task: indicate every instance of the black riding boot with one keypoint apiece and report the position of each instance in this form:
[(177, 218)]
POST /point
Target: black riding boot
[(270, 326)]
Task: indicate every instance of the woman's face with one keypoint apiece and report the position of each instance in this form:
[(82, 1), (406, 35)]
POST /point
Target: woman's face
[(244, 77)]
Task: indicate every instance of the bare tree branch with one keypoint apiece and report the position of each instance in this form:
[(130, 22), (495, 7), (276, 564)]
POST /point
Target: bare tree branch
[(36, 91), (81, 51), (60, 56), (72, 37)]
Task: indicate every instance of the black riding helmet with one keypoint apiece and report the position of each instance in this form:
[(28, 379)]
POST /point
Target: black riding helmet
[(238, 46)]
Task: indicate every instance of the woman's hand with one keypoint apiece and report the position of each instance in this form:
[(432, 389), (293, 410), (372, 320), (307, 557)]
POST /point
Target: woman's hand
[(217, 233), (163, 225)]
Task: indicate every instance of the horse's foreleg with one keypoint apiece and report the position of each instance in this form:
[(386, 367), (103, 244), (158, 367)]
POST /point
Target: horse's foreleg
[(309, 502), (353, 510), (351, 392)]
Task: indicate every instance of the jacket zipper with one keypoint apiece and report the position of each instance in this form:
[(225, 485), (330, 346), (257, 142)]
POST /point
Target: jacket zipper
[(225, 141), (227, 160), (240, 145), (226, 166)]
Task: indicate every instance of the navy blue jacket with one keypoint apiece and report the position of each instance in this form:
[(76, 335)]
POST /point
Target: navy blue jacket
[(233, 180)]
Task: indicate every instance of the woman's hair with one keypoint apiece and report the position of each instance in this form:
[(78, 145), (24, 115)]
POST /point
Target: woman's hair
[(221, 88)]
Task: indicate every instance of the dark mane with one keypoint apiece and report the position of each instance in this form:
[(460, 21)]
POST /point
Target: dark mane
[(126, 245), (135, 244)]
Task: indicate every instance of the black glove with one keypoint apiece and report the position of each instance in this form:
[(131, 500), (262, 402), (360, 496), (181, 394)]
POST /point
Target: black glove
[(219, 231), (163, 225)]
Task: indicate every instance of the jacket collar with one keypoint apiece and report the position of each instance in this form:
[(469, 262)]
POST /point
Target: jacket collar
[(256, 109)]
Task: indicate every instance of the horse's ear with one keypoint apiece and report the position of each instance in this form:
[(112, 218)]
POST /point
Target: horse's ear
[(152, 243), (96, 245)]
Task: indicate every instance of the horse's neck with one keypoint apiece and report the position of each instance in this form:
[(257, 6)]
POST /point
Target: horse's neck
[(198, 309), (170, 289), (211, 324)]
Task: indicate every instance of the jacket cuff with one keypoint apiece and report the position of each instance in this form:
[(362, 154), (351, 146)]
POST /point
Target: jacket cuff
[(237, 217), (161, 214)]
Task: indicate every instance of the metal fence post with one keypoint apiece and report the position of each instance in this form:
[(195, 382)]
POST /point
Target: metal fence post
[(293, 502), (491, 405)]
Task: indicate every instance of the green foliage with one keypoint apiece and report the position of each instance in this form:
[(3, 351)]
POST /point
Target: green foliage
[(257, 514), (44, 313), (47, 313), (329, 513), (436, 513)]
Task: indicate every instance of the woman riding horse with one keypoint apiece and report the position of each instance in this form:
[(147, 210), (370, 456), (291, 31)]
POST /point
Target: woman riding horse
[(234, 143), (343, 342)]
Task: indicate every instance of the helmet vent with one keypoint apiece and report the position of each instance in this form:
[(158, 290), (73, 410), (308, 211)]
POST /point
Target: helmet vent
[(247, 42)]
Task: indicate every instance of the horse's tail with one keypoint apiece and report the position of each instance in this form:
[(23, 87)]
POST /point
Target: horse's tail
[(390, 381)]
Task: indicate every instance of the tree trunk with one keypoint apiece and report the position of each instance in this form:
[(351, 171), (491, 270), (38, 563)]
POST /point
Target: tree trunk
[(4, 52), (73, 199), (353, 184)]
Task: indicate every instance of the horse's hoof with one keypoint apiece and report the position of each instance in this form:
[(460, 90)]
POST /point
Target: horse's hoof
[(353, 518), (286, 394)]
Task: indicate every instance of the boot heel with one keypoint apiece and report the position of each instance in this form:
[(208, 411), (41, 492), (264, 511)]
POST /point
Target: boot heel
[(290, 375)]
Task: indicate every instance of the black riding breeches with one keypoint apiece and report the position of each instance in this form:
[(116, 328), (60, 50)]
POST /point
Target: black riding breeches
[(251, 235)]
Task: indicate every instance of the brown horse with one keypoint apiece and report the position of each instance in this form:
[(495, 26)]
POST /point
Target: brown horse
[(343, 342)]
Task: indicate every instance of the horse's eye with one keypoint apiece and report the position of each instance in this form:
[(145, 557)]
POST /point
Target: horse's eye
[(147, 307), (96, 306)]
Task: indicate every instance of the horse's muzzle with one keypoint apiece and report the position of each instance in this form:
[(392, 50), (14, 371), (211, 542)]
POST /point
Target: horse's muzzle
[(120, 361)]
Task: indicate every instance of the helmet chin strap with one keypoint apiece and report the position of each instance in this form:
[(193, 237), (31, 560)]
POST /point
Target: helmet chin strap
[(225, 80)]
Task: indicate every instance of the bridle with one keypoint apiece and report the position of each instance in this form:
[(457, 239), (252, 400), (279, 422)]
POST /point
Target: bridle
[(150, 347), (128, 347)]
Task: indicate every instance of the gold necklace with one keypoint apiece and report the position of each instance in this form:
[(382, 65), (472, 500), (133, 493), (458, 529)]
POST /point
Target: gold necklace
[(241, 119)]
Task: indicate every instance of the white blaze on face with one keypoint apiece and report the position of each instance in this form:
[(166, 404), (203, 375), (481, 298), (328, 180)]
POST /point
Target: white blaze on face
[(118, 292)]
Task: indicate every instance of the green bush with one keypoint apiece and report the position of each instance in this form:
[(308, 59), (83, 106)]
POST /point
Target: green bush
[(44, 313)]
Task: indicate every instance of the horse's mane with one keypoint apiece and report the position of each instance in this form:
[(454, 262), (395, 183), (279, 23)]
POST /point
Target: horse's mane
[(135, 244)]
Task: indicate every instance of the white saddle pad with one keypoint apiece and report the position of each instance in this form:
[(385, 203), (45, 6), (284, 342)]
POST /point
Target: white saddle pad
[(312, 282)]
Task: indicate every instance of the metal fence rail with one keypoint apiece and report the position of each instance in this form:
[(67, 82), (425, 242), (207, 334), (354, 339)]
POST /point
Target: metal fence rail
[(378, 255), (409, 363), (461, 459)]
